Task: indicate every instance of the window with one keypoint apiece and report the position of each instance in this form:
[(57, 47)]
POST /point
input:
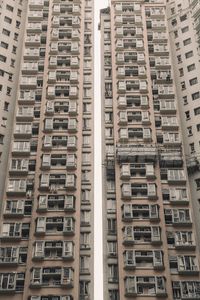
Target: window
[(6, 32), (2, 58), (1, 138), (177, 45), (183, 86), (197, 111), (192, 149), (9, 8), (179, 59), (174, 22), (12, 62), (175, 34), (198, 183), (4, 121), (196, 96), (8, 91), (189, 54), (189, 130), (193, 81), (187, 42), (187, 114), (191, 67), (4, 45), (17, 24), (1, 73), (181, 72), (19, 12), (16, 36), (14, 49), (10, 77), (173, 10), (183, 18), (198, 127), (185, 29), (185, 101), (7, 20), (6, 105)]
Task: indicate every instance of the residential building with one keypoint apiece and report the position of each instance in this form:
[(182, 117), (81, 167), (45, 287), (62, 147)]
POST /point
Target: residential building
[(150, 245), (46, 227), (12, 20), (183, 24)]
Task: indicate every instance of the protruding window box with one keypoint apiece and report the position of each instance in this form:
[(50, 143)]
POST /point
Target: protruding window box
[(72, 143), (125, 172), (76, 22), (75, 35), (68, 228), (35, 15), (36, 4), (23, 130), (69, 203), (24, 113), (176, 176), (14, 209), (123, 120), (122, 102), (72, 125)]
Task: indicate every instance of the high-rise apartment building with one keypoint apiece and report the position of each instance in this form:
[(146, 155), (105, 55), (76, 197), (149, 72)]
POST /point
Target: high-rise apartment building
[(183, 23), (12, 20), (46, 225), (150, 247)]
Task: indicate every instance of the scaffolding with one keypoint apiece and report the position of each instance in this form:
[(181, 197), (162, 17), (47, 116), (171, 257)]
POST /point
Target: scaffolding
[(144, 153)]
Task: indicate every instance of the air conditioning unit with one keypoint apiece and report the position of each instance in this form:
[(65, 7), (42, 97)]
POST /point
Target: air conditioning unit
[(35, 298), (20, 276), (29, 194)]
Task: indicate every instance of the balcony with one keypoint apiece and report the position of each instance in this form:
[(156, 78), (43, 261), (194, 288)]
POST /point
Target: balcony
[(52, 277), (27, 97), (167, 107), (14, 208), (142, 235), (143, 259), (33, 40), (16, 186), (188, 290), (35, 15), (21, 148), (11, 282), (28, 82), (23, 130), (15, 231), (51, 250), (131, 212), (179, 196), (19, 167), (169, 123), (31, 54), (171, 159), (29, 68), (130, 152), (36, 4), (12, 256), (176, 176), (178, 217), (24, 113)]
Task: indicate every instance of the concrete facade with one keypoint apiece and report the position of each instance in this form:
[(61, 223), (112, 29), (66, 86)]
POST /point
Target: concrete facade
[(12, 20), (46, 229), (150, 245), (183, 23)]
